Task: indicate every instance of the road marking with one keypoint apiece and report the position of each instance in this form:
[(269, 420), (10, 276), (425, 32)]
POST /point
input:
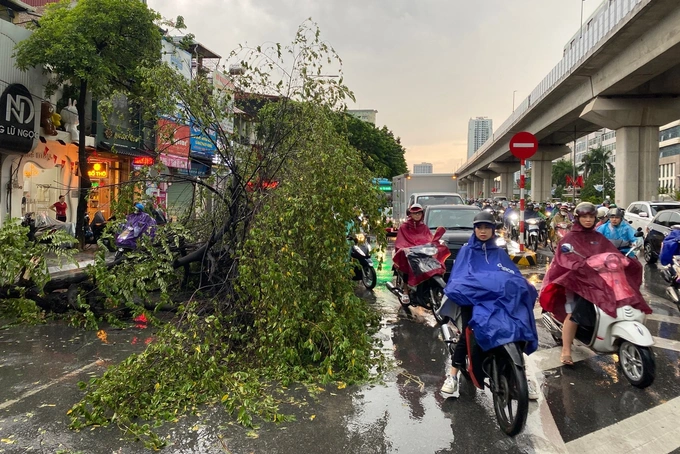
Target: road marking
[(36, 390), (664, 318), (668, 344), (654, 430)]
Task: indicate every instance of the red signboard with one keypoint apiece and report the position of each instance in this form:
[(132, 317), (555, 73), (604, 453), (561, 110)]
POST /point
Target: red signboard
[(143, 161), (523, 145), (172, 138)]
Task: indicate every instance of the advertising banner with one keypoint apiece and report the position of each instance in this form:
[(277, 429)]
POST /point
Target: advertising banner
[(17, 119)]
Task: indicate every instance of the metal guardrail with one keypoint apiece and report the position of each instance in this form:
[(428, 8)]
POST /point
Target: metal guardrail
[(592, 33)]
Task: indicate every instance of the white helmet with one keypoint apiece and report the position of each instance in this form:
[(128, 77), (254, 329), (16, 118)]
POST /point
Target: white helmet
[(602, 212)]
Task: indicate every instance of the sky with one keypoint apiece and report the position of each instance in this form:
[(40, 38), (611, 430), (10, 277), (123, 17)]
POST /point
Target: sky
[(426, 66)]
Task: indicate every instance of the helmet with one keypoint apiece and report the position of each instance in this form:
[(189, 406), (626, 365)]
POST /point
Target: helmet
[(484, 217), (616, 213), (585, 208), (139, 206), (415, 208), (530, 206), (602, 212)]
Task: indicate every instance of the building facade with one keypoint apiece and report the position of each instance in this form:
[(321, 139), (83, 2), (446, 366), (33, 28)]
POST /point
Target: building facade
[(367, 115), (423, 167), (480, 129)]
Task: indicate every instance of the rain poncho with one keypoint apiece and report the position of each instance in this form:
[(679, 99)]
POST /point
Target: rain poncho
[(412, 233), (670, 247), (623, 232), (136, 225), (485, 277), (572, 272)]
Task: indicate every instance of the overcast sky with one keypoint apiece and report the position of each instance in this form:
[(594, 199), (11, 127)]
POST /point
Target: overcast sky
[(426, 66)]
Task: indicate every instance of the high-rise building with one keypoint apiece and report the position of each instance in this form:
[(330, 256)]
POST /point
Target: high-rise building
[(479, 131), (423, 167), (367, 115)]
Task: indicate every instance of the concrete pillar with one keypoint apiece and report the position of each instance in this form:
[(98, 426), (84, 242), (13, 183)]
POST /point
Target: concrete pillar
[(476, 187), (487, 182), (507, 173), (463, 187), (541, 170), (636, 122)]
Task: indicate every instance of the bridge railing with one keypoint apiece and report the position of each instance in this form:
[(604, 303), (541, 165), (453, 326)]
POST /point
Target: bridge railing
[(597, 27)]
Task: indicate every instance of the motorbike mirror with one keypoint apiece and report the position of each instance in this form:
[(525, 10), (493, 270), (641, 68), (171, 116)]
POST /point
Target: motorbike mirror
[(638, 234), (567, 248), (438, 234)]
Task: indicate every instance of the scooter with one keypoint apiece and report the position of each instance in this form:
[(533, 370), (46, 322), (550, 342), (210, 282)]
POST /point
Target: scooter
[(500, 369), (364, 271), (136, 225), (671, 275), (557, 233), (625, 334), (533, 233)]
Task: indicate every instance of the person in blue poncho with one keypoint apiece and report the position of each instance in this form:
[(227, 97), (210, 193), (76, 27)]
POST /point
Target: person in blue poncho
[(618, 232), (493, 296)]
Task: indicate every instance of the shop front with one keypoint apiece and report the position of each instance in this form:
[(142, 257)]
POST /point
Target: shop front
[(107, 171)]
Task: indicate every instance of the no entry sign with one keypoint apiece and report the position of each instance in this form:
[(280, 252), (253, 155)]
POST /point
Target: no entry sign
[(523, 145)]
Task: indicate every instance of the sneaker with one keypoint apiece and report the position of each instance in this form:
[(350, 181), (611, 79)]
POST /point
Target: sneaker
[(450, 385), (405, 300), (533, 389)]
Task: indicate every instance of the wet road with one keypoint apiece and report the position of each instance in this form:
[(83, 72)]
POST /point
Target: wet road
[(587, 408)]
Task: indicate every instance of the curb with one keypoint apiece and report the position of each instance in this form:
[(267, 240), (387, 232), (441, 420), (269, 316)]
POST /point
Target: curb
[(526, 258)]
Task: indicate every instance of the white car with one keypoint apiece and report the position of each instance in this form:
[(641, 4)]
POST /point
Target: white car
[(640, 213)]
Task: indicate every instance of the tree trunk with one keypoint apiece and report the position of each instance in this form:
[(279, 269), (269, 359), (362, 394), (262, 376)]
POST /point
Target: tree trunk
[(85, 182)]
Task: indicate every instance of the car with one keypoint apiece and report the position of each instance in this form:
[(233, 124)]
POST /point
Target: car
[(457, 219), (656, 231), (640, 213)]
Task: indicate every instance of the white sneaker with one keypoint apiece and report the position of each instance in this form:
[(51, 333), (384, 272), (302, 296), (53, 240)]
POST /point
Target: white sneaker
[(450, 385), (533, 389), (405, 300)]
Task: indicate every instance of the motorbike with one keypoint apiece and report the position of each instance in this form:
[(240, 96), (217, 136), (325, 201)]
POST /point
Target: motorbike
[(40, 226), (500, 369), (535, 233), (423, 267), (557, 233), (95, 228), (671, 275), (136, 225), (622, 245), (625, 334), (513, 226), (364, 271)]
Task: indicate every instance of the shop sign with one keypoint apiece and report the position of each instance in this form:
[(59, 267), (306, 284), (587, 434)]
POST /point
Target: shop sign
[(98, 170), (177, 162), (17, 119), (143, 161), (203, 143), (172, 138)]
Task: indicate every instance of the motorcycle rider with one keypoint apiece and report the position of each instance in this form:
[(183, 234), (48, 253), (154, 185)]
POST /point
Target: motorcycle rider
[(413, 232), (602, 214), (484, 277), (615, 229), (568, 272)]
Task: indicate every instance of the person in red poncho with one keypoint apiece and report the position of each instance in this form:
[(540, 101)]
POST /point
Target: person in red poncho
[(413, 232), (569, 276)]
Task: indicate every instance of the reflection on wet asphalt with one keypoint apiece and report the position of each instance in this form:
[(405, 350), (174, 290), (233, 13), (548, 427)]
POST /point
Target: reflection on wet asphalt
[(405, 413)]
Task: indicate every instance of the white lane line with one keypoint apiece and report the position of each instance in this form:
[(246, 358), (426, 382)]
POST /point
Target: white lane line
[(36, 390), (654, 430), (549, 358), (668, 344), (664, 318)]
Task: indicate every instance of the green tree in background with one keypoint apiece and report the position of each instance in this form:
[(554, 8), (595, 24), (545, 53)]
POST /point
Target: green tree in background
[(596, 160), (98, 46), (560, 170), (381, 152)]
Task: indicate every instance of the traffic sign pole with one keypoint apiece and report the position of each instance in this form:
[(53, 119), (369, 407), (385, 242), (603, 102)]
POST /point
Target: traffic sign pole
[(521, 204), (523, 145)]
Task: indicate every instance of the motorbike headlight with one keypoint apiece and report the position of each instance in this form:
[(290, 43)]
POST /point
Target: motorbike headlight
[(500, 241), (360, 237), (514, 216)]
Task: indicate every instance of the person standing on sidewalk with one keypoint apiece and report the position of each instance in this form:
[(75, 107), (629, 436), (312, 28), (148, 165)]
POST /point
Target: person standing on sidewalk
[(60, 208)]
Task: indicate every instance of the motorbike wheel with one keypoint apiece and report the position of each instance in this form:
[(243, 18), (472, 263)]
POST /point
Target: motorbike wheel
[(368, 277), (533, 243), (650, 257), (511, 398), (637, 364)]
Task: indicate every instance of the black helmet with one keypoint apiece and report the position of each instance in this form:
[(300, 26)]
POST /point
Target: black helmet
[(585, 208), (530, 206), (484, 217), (615, 213)]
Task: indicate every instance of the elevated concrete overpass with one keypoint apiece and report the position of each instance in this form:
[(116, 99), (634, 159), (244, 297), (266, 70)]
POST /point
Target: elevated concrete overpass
[(623, 73)]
